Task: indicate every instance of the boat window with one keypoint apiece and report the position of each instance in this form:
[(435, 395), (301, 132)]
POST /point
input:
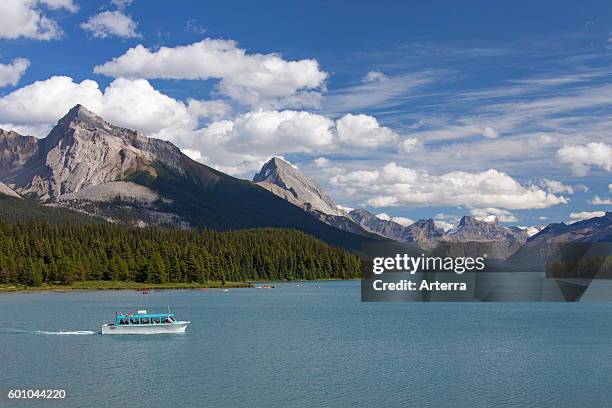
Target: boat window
[(123, 321), (145, 320), (134, 321), (156, 320)]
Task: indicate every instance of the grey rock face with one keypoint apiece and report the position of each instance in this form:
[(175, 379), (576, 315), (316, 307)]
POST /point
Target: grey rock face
[(425, 232), (289, 183), (471, 229), (83, 163), (550, 242), (16, 154), (6, 190), (422, 233), (122, 190), (386, 228), (81, 151), (473, 237)]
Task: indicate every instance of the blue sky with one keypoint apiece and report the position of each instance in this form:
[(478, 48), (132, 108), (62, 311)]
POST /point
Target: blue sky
[(411, 109)]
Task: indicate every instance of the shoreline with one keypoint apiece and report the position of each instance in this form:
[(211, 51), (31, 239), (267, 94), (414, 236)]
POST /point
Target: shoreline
[(119, 285), (136, 286)]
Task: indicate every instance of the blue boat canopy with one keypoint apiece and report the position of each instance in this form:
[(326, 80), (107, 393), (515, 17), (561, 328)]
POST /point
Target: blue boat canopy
[(132, 316), (143, 318)]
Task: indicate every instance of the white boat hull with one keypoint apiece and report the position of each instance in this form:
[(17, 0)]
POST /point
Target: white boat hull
[(163, 328)]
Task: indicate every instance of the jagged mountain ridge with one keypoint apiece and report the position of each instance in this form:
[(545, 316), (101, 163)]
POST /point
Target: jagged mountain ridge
[(83, 150), (422, 233), (549, 243), (484, 237), (287, 182), (497, 241), (83, 154)]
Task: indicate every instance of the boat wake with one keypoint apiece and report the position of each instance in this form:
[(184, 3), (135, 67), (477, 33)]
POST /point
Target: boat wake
[(59, 333)]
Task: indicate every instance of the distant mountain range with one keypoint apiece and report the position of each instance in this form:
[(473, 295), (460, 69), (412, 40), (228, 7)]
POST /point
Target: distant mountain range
[(471, 237), (592, 238), (90, 165), (489, 237)]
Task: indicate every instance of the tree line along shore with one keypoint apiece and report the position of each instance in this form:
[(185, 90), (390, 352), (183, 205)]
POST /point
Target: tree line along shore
[(42, 255)]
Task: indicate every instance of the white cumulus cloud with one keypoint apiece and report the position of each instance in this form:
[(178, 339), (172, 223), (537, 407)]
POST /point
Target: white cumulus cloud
[(396, 185), (491, 214), (241, 145), (244, 141), (26, 18), (582, 157), (252, 79), (601, 201), (363, 131), (212, 109), (585, 215), (69, 5), (266, 131), (373, 76), (11, 73), (130, 103), (556, 187), (111, 23), (408, 146)]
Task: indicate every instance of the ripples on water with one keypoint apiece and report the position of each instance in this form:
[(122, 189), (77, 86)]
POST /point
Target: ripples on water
[(305, 346)]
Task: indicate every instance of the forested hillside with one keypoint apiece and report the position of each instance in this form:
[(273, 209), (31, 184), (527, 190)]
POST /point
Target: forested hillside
[(20, 209), (32, 252)]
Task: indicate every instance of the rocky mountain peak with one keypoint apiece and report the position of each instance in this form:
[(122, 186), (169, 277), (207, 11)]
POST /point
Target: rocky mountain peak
[(277, 171), (428, 223), (467, 220), (80, 115), (79, 123), (362, 216), (288, 182), (425, 230), (82, 150), (472, 229)]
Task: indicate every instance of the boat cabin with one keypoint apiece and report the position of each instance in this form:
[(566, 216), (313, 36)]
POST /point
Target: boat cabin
[(143, 319)]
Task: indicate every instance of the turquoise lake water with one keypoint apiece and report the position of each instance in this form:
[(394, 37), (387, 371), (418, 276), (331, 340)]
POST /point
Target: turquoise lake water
[(302, 346)]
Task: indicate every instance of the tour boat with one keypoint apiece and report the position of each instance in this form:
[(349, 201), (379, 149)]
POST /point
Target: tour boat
[(144, 323)]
